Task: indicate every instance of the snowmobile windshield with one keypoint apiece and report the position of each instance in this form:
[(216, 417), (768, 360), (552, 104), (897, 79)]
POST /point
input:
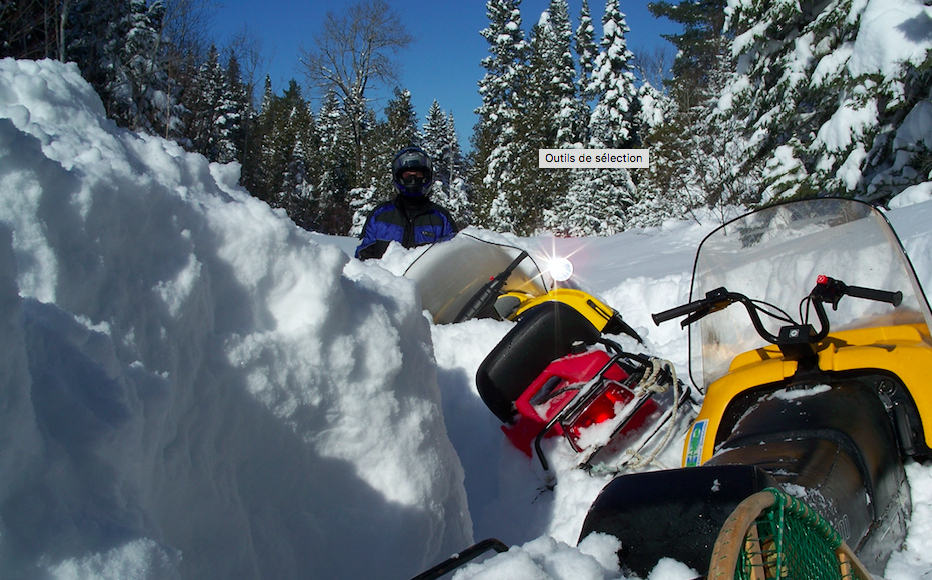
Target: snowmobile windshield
[(776, 254), (449, 274)]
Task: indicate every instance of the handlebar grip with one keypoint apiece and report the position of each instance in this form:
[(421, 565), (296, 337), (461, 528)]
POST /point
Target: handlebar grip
[(894, 298), (678, 311), (480, 300)]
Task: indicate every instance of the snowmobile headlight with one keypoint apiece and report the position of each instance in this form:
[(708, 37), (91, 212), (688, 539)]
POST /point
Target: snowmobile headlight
[(561, 269)]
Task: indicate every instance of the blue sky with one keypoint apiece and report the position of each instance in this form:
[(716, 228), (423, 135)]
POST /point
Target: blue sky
[(443, 63)]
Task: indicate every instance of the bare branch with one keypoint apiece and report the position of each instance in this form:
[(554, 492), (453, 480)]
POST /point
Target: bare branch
[(353, 54), (654, 65), (353, 51)]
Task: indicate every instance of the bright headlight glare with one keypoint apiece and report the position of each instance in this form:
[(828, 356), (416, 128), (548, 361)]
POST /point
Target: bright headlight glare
[(561, 269)]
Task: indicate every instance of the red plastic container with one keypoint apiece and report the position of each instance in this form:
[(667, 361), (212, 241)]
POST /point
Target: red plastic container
[(557, 386)]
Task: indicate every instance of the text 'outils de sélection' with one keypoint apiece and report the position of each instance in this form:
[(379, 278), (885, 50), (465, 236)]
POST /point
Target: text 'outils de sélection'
[(593, 158)]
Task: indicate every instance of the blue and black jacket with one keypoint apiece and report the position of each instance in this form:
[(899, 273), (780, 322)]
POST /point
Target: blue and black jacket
[(409, 220)]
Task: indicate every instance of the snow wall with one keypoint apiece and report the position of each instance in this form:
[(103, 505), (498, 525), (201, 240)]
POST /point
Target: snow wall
[(189, 385)]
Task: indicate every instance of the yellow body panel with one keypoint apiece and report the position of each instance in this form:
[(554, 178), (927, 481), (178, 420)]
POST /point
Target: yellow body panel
[(595, 311), (905, 351)]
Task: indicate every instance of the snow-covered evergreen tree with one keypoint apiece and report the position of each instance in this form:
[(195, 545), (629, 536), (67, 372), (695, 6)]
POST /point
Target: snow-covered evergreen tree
[(434, 133), (142, 95), (496, 138), (594, 205), (439, 140), (204, 104), (604, 194), (693, 151), (336, 166), (232, 114), (294, 136), (614, 122), (555, 72), (256, 174), (362, 201), (586, 50), (384, 139), (826, 92), (553, 116)]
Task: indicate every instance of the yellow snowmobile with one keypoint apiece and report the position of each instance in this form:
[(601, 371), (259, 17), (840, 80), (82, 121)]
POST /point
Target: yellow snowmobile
[(822, 406)]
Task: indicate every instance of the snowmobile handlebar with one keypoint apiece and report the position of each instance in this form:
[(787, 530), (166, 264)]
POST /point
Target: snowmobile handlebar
[(489, 292), (827, 291), (714, 301)]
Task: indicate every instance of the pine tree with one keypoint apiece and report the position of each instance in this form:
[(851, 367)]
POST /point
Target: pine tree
[(294, 137), (594, 205), (693, 149), (139, 93), (363, 201), (233, 113), (440, 142), (699, 46), (374, 185), (605, 194), (614, 122), (822, 119), (337, 166), (586, 50), (552, 117), (255, 175), (496, 133), (204, 102), (570, 111)]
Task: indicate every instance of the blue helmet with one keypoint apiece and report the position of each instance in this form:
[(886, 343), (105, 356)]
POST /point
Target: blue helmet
[(412, 159)]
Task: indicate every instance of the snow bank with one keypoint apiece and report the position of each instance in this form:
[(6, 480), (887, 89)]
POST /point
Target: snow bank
[(190, 385)]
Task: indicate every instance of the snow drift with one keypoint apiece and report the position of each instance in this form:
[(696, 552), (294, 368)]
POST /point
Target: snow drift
[(189, 385)]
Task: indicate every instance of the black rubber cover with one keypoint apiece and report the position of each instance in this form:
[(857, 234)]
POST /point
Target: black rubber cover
[(832, 440), (837, 441), (543, 334), (674, 513)]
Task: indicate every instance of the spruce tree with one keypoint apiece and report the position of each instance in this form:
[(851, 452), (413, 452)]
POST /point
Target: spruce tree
[(823, 116), (693, 150), (586, 50), (614, 122), (139, 94), (203, 103), (440, 142), (606, 194), (496, 134), (294, 138), (234, 110), (699, 46), (383, 141), (337, 166), (255, 175), (552, 117)]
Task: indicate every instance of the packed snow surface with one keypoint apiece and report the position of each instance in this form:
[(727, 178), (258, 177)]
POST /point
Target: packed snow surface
[(192, 387)]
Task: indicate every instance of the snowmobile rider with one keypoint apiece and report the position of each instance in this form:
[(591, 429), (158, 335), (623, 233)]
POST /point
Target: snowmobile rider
[(410, 219)]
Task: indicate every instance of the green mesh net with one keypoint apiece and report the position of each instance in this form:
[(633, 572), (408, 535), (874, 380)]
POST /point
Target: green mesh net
[(790, 540)]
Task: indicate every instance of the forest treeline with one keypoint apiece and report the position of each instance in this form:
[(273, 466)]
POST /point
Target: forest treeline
[(763, 101)]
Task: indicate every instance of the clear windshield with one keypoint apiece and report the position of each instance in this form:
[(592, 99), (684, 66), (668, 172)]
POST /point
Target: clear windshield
[(450, 273), (776, 255)]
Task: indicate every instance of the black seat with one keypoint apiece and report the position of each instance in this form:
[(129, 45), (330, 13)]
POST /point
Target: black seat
[(543, 334)]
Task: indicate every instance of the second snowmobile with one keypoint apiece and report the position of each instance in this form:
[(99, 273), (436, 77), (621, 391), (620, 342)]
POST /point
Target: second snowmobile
[(556, 372)]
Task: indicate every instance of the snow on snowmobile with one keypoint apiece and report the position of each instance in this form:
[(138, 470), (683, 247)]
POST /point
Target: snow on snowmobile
[(557, 372), (822, 407)]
